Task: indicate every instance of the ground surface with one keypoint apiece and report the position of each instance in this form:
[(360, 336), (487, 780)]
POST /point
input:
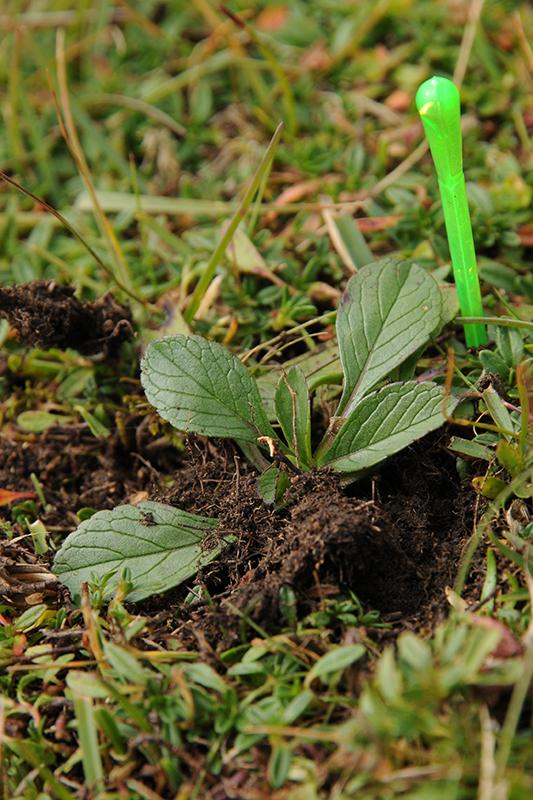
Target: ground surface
[(327, 653)]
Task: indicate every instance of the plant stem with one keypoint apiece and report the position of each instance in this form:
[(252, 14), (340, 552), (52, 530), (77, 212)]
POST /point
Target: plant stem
[(502, 322)]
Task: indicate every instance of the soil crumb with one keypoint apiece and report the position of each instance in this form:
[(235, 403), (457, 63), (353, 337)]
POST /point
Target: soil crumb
[(46, 314)]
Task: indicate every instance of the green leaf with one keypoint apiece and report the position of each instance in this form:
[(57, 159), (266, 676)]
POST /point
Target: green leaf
[(199, 386), (334, 661), (244, 255), (415, 652), (88, 742), (87, 684), (39, 421), (319, 366), (34, 754), (510, 344), (450, 304), (498, 411), (488, 485), (388, 676), (75, 383), (109, 727), (4, 331), (125, 664), (160, 545), (493, 362), (347, 239), (96, 427), (297, 706), (272, 485), (384, 423), (39, 536), (31, 618), (294, 414), (470, 449), (389, 309), (510, 456), (204, 675), (278, 765)]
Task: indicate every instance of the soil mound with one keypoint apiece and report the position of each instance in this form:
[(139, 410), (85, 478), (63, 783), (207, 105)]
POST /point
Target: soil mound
[(45, 314), (394, 540)]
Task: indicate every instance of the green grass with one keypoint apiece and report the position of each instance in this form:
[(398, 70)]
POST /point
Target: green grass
[(147, 126)]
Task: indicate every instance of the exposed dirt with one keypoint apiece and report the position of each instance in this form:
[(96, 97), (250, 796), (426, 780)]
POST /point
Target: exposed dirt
[(75, 470), (395, 541), (45, 314), (397, 551)]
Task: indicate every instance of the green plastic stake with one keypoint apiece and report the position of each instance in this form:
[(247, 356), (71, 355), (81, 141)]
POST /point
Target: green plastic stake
[(439, 105)]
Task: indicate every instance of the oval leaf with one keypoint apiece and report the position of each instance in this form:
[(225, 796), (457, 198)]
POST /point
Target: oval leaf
[(198, 386), (39, 421), (160, 545), (279, 765), (389, 309), (334, 661), (272, 485), (384, 423)]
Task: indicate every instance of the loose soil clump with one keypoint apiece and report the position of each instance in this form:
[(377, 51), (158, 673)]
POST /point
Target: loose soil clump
[(46, 314), (395, 541)]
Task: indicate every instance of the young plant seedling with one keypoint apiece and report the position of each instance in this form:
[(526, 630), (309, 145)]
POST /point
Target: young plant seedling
[(388, 313), (439, 105), (389, 310)]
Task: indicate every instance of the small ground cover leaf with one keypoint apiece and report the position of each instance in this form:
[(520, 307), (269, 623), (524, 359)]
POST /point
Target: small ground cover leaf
[(384, 423), (348, 240), (389, 310), (199, 386), (160, 545), (39, 421), (334, 661), (272, 484)]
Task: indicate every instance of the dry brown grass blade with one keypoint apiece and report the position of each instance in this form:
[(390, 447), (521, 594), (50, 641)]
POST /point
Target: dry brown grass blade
[(68, 129), (70, 228)]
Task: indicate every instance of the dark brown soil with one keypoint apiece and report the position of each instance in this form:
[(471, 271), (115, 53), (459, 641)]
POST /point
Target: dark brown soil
[(394, 541), (397, 552), (75, 470), (45, 314)]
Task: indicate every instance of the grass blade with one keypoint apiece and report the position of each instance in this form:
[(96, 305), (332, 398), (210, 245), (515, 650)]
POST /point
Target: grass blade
[(88, 738), (347, 240), (68, 128), (226, 238)]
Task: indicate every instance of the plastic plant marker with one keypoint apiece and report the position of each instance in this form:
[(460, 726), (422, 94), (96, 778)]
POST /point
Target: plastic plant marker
[(439, 105)]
